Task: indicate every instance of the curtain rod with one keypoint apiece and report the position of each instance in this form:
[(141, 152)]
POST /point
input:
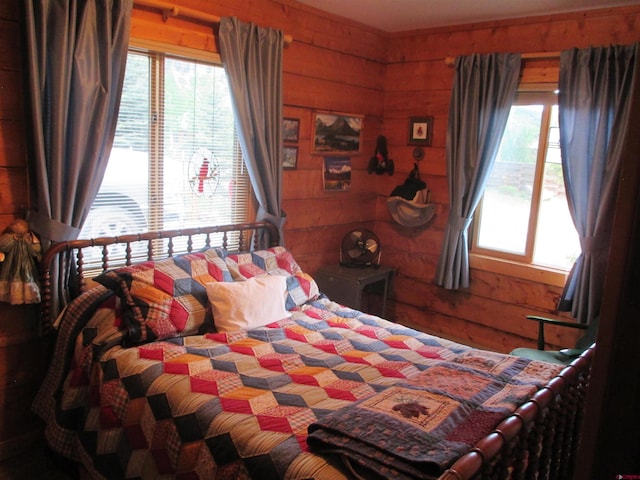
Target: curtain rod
[(450, 61), (170, 10)]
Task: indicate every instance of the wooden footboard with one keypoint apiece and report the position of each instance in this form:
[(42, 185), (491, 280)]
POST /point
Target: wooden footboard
[(540, 439), (135, 248)]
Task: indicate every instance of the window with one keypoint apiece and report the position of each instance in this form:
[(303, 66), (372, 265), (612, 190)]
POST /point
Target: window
[(176, 161), (523, 216)]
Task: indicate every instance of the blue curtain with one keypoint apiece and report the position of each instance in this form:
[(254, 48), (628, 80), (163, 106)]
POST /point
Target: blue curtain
[(252, 58), (76, 53), (76, 58), (593, 105), (483, 91)]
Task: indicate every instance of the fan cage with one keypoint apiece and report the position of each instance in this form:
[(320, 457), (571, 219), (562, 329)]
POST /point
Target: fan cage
[(360, 248)]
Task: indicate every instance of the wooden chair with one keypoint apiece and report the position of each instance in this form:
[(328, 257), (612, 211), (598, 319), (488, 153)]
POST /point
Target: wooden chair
[(564, 356)]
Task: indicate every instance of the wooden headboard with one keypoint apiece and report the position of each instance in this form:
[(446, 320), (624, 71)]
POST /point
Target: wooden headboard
[(79, 267)]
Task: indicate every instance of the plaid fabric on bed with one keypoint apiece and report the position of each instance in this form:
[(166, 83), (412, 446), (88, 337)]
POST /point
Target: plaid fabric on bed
[(167, 298)]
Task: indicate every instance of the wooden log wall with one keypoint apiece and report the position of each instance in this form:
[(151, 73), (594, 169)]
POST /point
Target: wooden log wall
[(491, 312), (23, 356), (13, 160), (332, 65)]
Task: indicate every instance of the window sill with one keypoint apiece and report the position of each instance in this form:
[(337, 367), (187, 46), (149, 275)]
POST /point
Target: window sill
[(534, 273)]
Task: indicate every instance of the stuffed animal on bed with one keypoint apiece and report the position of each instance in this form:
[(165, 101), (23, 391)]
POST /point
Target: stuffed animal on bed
[(20, 250)]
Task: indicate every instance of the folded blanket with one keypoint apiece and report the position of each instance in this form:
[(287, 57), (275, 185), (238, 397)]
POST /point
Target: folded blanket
[(418, 428)]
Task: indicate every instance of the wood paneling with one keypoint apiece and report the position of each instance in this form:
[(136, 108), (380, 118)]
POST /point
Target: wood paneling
[(14, 195), (11, 104), (148, 25), (23, 361), (23, 355), (12, 146), (317, 63), (9, 10), (335, 64), (9, 42)]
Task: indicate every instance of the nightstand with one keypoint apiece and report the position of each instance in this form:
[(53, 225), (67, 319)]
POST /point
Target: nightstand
[(345, 285)]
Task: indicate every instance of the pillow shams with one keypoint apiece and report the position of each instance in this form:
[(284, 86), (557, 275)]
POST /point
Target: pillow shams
[(301, 286), (247, 304)]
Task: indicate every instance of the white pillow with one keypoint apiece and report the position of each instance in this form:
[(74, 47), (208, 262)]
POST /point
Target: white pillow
[(250, 303)]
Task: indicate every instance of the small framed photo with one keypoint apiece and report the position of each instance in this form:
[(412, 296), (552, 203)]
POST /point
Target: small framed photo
[(290, 129), (289, 157), (336, 174), (420, 130)]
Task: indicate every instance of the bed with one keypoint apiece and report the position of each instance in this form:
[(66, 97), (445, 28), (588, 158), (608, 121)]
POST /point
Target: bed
[(227, 362)]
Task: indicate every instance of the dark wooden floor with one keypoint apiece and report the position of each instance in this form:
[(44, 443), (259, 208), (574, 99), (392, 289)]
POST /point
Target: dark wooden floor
[(35, 464)]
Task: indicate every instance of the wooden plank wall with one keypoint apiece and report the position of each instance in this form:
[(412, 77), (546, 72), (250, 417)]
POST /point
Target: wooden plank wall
[(13, 165), (23, 356), (491, 312), (332, 65)]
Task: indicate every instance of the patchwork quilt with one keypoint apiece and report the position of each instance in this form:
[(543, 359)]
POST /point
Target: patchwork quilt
[(436, 416), (283, 401)]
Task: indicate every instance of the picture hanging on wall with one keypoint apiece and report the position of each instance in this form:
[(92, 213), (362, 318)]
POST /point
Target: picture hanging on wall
[(420, 130), (336, 133), (289, 157), (336, 174), (290, 129)]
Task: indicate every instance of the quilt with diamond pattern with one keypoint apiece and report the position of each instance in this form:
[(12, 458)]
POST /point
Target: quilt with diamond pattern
[(240, 404)]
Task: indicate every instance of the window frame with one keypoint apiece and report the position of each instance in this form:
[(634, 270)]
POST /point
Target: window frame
[(513, 264), (243, 206)]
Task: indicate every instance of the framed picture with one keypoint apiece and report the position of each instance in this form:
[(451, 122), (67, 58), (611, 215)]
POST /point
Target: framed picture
[(336, 174), (420, 130), (336, 133), (290, 129), (289, 157)]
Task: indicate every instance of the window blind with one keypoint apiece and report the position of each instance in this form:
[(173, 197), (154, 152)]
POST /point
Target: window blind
[(176, 160)]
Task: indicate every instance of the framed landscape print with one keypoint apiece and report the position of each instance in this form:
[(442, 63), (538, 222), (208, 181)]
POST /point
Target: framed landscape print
[(336, 133), (290, 130)]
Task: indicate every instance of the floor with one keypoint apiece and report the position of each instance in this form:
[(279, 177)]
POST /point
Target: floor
[(36, 464)]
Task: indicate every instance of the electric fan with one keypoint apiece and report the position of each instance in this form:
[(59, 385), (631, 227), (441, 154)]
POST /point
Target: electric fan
[(360, 248)]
